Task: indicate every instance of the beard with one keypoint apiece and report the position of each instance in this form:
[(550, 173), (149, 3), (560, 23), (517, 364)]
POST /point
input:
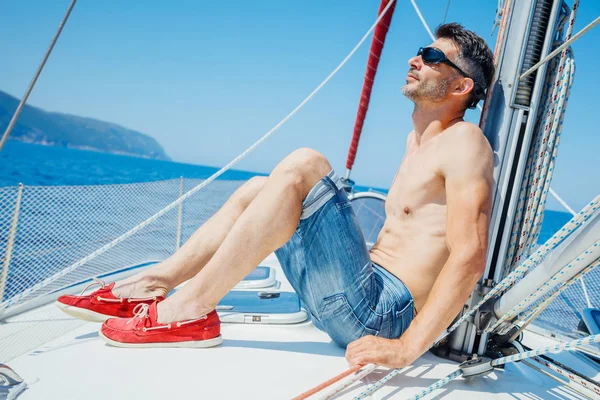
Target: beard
[(420, 91)]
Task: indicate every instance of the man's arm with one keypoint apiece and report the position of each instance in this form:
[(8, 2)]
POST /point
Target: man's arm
[(468, 180)]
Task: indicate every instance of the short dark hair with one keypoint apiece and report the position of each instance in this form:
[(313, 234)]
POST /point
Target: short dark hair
[(475, 57)]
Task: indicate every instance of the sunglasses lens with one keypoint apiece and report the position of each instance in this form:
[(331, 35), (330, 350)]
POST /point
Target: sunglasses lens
[(432, 56)]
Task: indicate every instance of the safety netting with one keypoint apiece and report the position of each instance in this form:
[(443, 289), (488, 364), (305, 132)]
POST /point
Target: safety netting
[(52, 228)]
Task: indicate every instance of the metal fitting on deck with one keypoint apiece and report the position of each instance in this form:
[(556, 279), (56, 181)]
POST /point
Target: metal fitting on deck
[(476, 366)]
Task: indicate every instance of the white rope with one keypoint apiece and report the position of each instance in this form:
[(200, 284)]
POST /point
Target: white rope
[(560, 48), (533, 297), (542, 155), (372, 388), (437, 385), (550, 349), (569, 209), (446, 12), (537, 310), (585, 293), (431, 35), (562, 202), (349, 381), (27, 292), (541, 159)]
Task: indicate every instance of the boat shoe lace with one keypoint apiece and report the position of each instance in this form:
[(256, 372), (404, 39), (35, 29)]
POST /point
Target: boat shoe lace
[(141, 319), (96, 282), (102, 284)]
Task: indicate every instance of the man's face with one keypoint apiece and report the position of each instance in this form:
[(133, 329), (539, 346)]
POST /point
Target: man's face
[(430, 83)]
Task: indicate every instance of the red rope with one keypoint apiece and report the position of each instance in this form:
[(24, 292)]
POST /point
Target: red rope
[(330, 382), (376, 48)]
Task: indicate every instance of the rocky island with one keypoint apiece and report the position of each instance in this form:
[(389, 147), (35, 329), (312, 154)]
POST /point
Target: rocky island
[(56, 129)]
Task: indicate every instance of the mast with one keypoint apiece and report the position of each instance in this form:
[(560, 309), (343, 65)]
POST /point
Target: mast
[(373, 62), (527, 32)]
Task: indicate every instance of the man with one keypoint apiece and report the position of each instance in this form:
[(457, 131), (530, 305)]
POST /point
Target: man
[(387, 304)]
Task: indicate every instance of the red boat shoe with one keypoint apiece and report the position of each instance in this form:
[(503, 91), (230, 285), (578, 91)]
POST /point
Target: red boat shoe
[(102, 304), (143, 330)]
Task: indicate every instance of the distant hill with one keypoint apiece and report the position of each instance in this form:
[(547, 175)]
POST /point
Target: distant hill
[(56, 129)]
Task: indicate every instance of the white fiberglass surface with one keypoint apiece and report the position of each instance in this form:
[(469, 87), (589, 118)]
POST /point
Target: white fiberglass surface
[(254, 361)]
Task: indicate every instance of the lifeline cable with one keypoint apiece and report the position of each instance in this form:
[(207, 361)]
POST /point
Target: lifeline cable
[(561, 48), (15, 116), (132, 231)]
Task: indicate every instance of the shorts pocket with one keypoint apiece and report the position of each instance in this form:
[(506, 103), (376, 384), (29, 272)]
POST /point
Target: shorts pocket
[(402, 319), (340, 321)]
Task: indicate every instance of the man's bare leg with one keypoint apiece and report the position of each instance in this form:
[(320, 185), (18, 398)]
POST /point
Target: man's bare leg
[(195, 253), (267, 224)]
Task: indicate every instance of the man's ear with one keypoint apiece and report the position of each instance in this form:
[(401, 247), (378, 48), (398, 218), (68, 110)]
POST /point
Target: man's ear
[(464, 86)]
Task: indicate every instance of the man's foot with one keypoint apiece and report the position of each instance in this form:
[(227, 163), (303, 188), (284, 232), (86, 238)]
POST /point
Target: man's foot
[(143, 330), (101, 304), (145, 284)]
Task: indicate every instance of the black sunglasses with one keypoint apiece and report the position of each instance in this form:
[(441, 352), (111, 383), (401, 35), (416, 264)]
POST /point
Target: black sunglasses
[(433, 55)]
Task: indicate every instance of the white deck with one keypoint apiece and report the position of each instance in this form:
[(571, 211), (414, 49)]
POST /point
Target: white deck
[(254, 361)]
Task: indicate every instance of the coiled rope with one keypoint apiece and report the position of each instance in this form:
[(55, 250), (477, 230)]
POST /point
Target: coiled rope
[(16, 299), (542, 155)]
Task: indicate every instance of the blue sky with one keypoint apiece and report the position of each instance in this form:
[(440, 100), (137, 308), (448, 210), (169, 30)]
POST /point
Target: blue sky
[(208, 78)]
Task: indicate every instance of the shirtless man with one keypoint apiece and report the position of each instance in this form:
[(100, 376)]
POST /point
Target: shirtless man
[(387, 304)]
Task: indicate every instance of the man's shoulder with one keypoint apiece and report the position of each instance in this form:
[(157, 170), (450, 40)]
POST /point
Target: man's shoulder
[(465, 131), (466, 144), (467, 137)]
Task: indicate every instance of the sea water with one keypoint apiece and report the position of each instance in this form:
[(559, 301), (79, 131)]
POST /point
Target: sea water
[(36, 165)]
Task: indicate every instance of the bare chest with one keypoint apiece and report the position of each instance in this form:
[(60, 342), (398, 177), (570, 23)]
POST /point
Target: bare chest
[(418, 188)]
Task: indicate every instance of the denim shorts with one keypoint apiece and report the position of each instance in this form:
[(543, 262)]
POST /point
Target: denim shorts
[(328, 264)]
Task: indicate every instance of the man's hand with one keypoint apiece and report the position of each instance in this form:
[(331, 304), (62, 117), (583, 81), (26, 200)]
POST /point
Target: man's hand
[(389, 353)]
